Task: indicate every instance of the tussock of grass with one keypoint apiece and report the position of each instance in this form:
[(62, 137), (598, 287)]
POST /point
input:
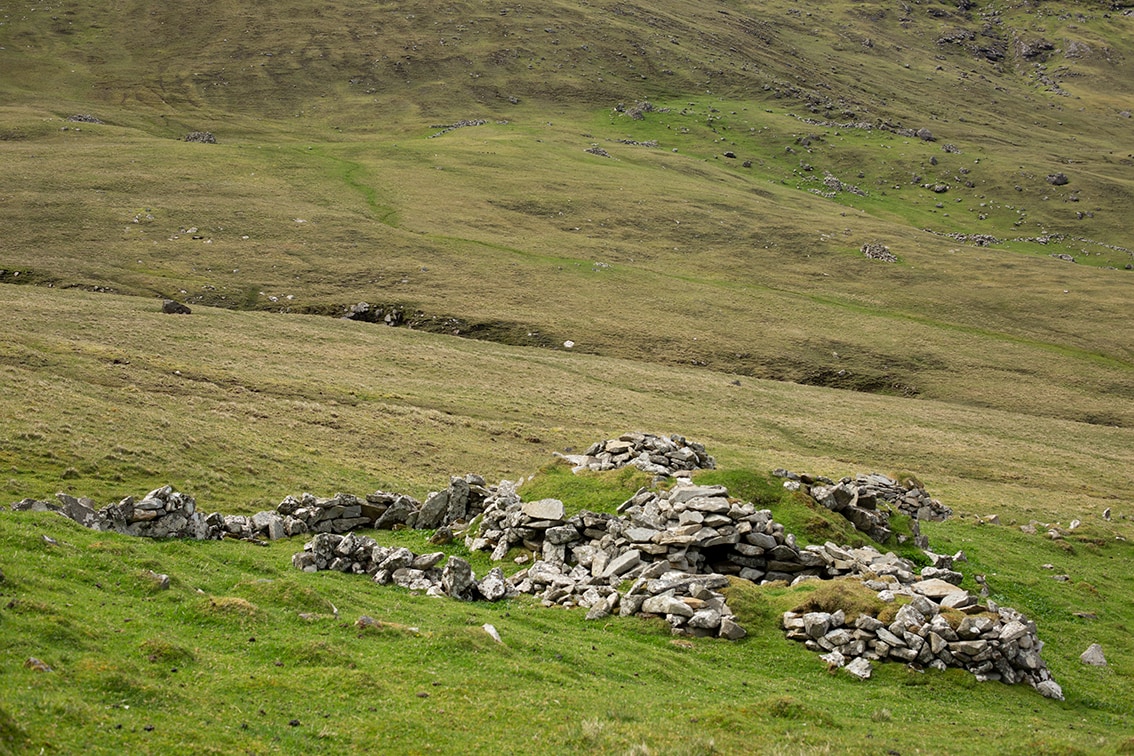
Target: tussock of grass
[(595, 491), (13, 739), (285, 593), (789, 707), (230, 606), (319, 653), (849, 595), (161, 650)]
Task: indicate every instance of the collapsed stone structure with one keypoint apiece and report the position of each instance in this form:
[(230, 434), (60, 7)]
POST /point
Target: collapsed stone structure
[(462, 500), (868, 501), (162, 513), (658, 455), (665, 553), (937, 623)]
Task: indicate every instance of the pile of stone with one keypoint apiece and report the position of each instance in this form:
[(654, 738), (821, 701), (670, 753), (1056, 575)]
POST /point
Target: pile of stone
[(572, 571), (162, 513), (867, 500), (658, 455), (878, 251), (689, 603), (362, 555), (940, 625), (203, 137)]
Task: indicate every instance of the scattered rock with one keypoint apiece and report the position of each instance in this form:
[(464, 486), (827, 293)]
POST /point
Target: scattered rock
[(492, 632), (1057, 179), (657, 455), (37, 665), (173, 307), (1093, 656), (860, 667)]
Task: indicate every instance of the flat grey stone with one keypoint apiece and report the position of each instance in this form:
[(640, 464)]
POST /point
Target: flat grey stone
[(543, 509), (622, 564)]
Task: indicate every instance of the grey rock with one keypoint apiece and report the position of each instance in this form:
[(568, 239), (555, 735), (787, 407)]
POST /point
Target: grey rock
[(396, 514), (667, 604), (493, 586), (860, 667), (622, 564), (1050, 689), (432, 512), (458, 509), (935, 588), (544, 509), (457, 579), (397, 559), (427, 561), (1093, 656), (705, 619), (562, 534)]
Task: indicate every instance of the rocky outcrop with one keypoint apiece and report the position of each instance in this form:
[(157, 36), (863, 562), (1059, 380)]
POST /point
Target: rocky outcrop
[(659, 455), (173, 307)]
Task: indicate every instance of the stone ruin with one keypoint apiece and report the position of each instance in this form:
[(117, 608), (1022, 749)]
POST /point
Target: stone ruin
[(669, 554), (878, 251), (867, 501), (666, 553), (657, 455)]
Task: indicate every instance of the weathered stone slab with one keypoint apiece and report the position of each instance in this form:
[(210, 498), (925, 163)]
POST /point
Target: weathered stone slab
[(622, 564), (544, 509), (935, 588)]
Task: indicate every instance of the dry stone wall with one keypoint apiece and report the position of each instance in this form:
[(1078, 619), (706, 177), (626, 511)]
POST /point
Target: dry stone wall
[(162, 513)]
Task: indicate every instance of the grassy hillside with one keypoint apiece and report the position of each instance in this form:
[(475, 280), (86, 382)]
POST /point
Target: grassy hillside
[(241, 408), (326, 189), (680, 190)]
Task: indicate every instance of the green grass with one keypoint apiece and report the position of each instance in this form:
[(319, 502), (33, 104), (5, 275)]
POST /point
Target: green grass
[(223, 660), (738, 270), (594, 491)]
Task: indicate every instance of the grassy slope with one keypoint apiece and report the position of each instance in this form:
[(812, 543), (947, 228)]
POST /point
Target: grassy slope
[(323, 117), (338, 406), (676, 274)]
